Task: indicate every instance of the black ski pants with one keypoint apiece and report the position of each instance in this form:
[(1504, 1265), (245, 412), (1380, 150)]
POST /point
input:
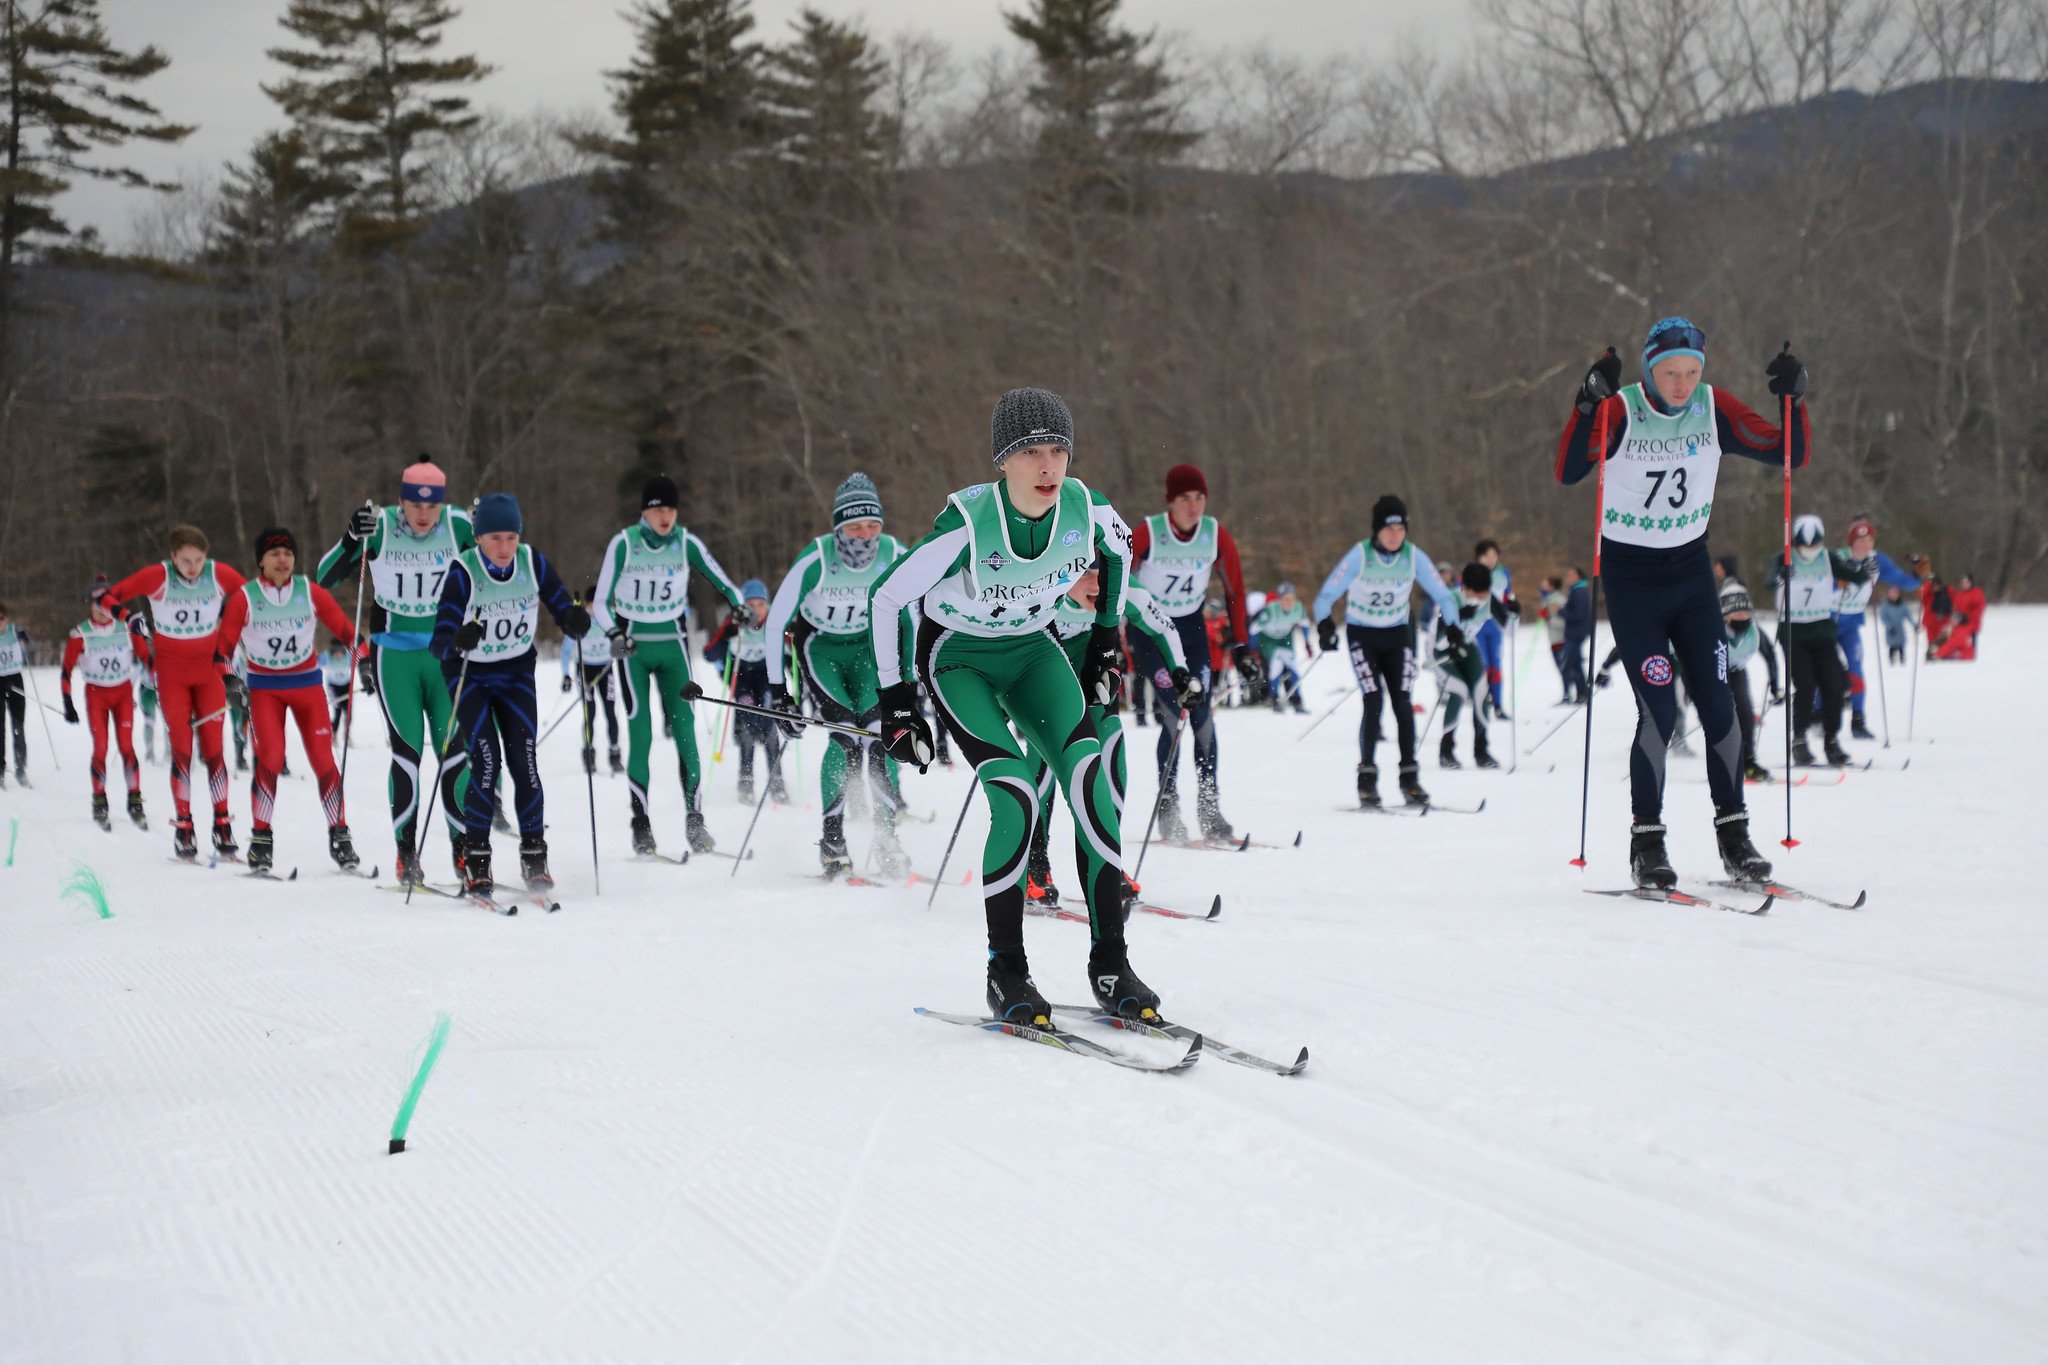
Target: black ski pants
[(1201, 727), (1662, 607), (1817, 671), (1383, 657), (14, 701)]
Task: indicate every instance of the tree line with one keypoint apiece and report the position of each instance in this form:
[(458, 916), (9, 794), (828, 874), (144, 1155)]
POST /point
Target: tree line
[(785, 257)]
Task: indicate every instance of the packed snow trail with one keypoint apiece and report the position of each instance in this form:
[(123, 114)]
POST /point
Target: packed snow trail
[(696, 1118)]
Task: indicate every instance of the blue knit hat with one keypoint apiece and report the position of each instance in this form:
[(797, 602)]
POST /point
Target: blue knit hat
[(496, 512), (752, 589), (1670, 337)]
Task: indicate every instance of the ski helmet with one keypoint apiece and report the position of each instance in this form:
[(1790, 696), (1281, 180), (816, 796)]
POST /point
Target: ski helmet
[(1808, 530)]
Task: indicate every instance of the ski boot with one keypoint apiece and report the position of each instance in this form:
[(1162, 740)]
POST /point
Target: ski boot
[(342, 849), (1738, 854), (1857, 728), (777, 792), (476, 868), (1647, 861), (1837, 756), (1802, 756), (533, 863), (3, 778), (1411, 787), (1012, 995), (643, 835), (135, 811), (224, 838), (99, 812), (1482, 754), (618, 764), (746, 792), (262, 850), (1171, 830), (1038, 887), (1368, 785), (21, 775), (590, 760), (700, 837), (1447, 753), (241, 763), (1753, 772), (1117, 988), (890, 859), (832, 854), (408, 867), (1209, 811), (184, 843)]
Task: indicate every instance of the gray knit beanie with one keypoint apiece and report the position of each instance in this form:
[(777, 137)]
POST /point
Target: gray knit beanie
[(1030, 417), (856, 500)]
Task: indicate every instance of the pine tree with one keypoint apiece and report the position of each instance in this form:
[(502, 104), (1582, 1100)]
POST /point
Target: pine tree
[(693, 75), (283, 194), (371, 94), (819, 96), (1101, 93), (62, 84)]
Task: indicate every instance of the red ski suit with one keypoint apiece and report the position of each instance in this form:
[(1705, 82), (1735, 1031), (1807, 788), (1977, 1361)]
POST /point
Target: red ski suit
[(188, 680), (104, 702), (300, 691)]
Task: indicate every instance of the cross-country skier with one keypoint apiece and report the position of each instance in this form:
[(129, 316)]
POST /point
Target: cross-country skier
[(1174, 554), (1376, 579), (274, 620), (1072, 624), (185, 594), (410, 546), (1852, 603), (643, 590), (594, 652), (337, 670), (1492, 631), (484, 637), (101, 650), (14, 648), (1662, 439), (1806, 631), (1897, 616), (1276, 626), (822, 606), (1746, 640), (990, 574), (1463, 669), (743, 638)]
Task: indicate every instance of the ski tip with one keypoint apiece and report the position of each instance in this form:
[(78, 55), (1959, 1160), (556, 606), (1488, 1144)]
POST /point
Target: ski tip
[(1244, 843), (1297, 838), (294, 876), (1765, 908), (1480, 807), (1300, 1064), (1861, 896), (1215, 908), (1907, 764)]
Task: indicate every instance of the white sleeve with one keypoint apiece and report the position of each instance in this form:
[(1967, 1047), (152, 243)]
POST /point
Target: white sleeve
[(601, 601), (912, 576), (788, 597)]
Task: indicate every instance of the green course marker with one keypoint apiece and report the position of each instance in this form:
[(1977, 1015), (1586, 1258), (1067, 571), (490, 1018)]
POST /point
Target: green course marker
[(419, 1082), (85, 884), (13, 833)]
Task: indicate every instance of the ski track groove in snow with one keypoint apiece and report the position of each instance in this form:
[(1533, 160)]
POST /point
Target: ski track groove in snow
[(695, 1118)]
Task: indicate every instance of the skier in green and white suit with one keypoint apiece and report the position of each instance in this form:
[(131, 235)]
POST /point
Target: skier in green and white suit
[(1072, 622), (1273, 631), (1461, 667), (409, 548), (823, 606), (642, 591), (989, 576)]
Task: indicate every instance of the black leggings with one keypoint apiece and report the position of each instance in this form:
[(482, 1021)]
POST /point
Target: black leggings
[(1383, 657), (1817, 671), (16, 706), (1662, 607)]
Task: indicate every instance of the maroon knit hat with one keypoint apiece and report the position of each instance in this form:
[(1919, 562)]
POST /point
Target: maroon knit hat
[(1185, 478)]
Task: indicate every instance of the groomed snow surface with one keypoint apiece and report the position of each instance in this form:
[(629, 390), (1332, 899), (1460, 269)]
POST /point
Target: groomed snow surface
[(694, 1119)]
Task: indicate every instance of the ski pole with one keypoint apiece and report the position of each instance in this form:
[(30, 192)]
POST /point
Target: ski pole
[(1570, 716), (741, 856), (1785, 413), (1912, 695), (355, 643), (941, 877), (1884, 705), (589, 769), (560, 716), (1326, 715), (426, 822), (1514, 695), (1599, 446), (1180, 721), (725, 720), (49, 738), (752, 710)]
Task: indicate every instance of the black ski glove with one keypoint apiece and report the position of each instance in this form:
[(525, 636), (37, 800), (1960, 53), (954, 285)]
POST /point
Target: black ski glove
[(1787, 375), (1513, 604), (70, 711), (1326, 634), (362, 522), (905, 735), (789, 716), (1102, 668), (575, 622), (1601, 679), (470, 636), (1187, 688), (622, 642), (1251, 666), (1601, 383), (690, 691), (366, 670), (237, 690)]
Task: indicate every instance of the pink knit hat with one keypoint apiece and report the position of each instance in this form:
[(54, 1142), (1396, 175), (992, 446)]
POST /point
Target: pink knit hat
[(423, 482)]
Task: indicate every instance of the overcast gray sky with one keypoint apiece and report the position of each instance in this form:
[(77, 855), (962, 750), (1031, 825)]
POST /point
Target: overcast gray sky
[(553, 54)]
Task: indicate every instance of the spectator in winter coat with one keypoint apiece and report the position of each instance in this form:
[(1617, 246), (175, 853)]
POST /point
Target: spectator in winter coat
[(1958, 638), (1896, 616)]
